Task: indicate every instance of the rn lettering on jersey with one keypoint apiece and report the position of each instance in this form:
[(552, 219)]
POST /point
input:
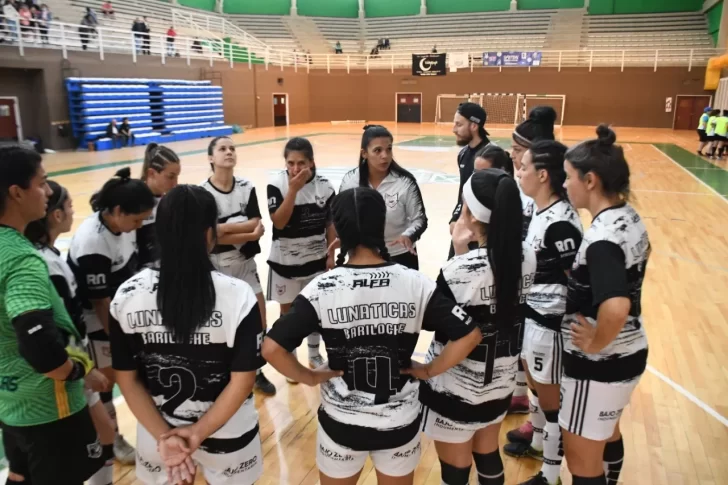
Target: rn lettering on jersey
[(96, 280), (566, 246)]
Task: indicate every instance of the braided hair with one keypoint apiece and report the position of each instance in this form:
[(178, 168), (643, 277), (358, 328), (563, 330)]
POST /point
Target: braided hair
[(359, 216), (549, 155), (157, 157)]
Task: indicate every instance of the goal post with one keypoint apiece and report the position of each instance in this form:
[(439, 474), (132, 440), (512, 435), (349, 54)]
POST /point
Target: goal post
[(526, 102), (447, 105)]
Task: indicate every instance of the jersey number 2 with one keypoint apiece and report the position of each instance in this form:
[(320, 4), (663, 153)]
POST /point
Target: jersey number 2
[(182, 382)]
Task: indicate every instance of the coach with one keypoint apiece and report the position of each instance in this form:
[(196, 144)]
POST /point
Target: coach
[(42, 404)]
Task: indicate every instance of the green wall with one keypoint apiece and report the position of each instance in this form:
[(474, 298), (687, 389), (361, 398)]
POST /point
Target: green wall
[(714, 15), (208, 5), (258, 7), (602, 7), (391, 8), (329, 8), (460, 6), (537, 4)]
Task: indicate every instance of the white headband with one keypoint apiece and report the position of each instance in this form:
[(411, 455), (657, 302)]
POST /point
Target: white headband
[(481, 212)]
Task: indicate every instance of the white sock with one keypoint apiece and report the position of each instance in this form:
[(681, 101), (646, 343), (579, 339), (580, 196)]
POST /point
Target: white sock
[(538, 420), (521, 385), (258, 372), (552, 450), (105, 476), (314, 340)]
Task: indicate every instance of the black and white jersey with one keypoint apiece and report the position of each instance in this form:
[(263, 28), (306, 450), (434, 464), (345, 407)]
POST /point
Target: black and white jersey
[(185, 378), (466, 167), (147, 239), (610, 262), (555, 234), (405, 207), (240, 204), (101, 260), (299, 250), (528, 208), (65, 282), (478, 389), (370, 318)]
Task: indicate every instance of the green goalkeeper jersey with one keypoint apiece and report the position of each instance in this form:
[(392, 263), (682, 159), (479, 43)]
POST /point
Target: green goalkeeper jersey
[(28, 398)]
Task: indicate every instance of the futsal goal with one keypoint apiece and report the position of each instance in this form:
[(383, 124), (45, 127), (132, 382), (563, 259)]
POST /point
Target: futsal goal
[(501, 108)]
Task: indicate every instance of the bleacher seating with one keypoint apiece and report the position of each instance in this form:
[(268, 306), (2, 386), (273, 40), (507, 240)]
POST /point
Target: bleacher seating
[(158, 109), (650, 31), (269, 28)]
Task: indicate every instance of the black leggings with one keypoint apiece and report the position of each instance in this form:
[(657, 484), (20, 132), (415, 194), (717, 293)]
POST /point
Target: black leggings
[(407, 259)]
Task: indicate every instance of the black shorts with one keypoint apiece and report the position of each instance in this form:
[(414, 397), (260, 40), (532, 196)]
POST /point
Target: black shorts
[(407, 259), (17, 461), (67, 451), (703, 136)]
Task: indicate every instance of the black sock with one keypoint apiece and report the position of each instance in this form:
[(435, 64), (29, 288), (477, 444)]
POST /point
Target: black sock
[(613, 460), (490, 468), (600, 480), (451, 475)]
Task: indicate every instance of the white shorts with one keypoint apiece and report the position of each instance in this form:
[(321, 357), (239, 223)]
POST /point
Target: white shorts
[(336, 461), (592, 409), (440, 428), (285, 290), (241, 467), (542, 348), (100, 352), (242, 269)]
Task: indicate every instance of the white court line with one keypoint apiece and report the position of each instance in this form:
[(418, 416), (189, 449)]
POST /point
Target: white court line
[(720, 196)]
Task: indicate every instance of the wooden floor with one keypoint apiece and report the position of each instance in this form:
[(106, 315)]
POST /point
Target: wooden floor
[(675, 429)]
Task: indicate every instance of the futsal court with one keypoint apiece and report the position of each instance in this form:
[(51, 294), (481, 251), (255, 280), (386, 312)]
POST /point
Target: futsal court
[(676, 427)]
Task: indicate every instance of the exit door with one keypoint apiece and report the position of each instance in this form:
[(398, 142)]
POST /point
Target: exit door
[(9, 126), (409, 107), (280, 109), (688, 111)]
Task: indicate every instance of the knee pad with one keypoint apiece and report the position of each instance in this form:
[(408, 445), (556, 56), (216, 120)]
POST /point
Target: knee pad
[(452, 475)]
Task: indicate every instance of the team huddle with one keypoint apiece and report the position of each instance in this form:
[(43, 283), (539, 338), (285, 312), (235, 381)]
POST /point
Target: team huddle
[(161, 289)]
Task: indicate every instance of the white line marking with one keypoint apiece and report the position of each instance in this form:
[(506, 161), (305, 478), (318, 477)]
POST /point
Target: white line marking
[(691, 174), (671, 192), (688, 395)]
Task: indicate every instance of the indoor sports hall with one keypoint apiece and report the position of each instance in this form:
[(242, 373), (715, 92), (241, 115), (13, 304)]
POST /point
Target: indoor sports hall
[(264, 71)]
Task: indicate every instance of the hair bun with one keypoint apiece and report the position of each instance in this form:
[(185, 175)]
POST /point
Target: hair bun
[(543, 114), (606, 135), (124, 174)]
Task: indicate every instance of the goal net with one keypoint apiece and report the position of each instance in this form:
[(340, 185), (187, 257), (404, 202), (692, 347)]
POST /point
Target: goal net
[(447, 105), (526, 102)]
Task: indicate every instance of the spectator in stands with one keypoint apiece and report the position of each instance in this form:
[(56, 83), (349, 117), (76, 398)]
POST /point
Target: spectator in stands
[(374, 52), (107, 10), (138, 29), (308, 56), (196, 46), (386, 43), (112, 131), (171, 34), (93, 19), (87, 28), (12, 18), (338, 49), (25, 21), (125, 132), (434, 49), (44, 22)]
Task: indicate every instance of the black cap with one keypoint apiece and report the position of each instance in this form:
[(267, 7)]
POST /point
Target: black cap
[(476, 114)]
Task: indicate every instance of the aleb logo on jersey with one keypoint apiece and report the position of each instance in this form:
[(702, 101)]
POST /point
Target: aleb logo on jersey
[(94, 280), (372, 283), (565, 246), (391, 200)]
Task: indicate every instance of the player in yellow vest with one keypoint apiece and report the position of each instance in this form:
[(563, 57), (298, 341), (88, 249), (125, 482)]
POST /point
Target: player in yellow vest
[(701, 129), (710, 130), (721, 134)]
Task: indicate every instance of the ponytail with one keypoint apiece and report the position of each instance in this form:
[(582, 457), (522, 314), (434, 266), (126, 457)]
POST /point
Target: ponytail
[(130, 195), (359, 217)]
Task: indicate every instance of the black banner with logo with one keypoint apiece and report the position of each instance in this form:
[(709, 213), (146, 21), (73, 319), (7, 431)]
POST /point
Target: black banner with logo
[(428, 65)]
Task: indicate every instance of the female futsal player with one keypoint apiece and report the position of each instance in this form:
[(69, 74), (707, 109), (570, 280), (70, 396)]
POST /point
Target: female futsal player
[(299, 202), (370, 312), (406, 218), (103, 254), (160, 172), (463, 407), (702, 125), (239, 226), (186, 345), (43, 234), (538, 126), (555, 234), (493, 156), (605, 345)]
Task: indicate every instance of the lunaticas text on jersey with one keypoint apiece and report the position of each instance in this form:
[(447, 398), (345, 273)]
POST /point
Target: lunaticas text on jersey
[(152, 318)]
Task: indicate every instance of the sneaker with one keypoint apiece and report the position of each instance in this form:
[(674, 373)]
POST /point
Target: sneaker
[(123, 451), (522, 450), (264, 385), (315, 361), (524, 434), (539, 480), (519, 405)]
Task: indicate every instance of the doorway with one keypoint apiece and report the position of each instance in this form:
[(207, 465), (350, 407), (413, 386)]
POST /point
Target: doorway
[(688, 110), (10, 127), (408, 107), (280, 109)]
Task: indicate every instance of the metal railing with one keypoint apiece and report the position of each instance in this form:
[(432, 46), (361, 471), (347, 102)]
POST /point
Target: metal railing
[(246, 49)]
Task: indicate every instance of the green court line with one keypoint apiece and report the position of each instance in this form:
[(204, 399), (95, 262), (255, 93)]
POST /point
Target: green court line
[(711, 175)]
